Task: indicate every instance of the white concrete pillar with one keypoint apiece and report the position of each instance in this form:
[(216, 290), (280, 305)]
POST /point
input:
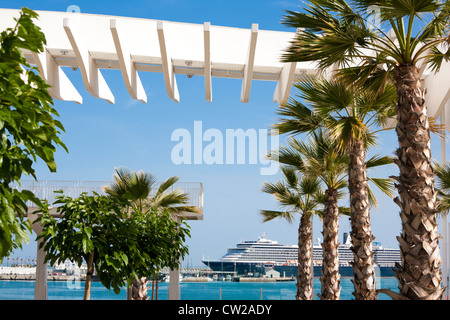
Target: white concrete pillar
[(40, 287), (174, 284)]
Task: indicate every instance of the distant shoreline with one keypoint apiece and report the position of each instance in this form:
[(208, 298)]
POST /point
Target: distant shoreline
[(32, 277)]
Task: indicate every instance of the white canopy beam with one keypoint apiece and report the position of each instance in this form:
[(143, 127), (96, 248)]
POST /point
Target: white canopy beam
[(207, 67), (167, 66), (130, 76), (284, 84), (61, 87), (248, 69), (92, 77)]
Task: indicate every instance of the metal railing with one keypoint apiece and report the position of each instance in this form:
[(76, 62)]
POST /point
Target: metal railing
[(45, 189)]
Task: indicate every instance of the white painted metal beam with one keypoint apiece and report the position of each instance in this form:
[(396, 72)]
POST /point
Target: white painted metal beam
[(284, 84), (61, 87), (92, 77), (167, 65), (127, 66), (248, 69), (207, 57)]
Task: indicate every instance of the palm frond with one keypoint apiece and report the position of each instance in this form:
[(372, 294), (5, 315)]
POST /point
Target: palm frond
[(437, 55), (378, 160), (290, 176), (167, 184), (269, 215), (438, 25), (443, 204), (168, 199), (443, 176), (386, 185), (297, 118), (438, 129)]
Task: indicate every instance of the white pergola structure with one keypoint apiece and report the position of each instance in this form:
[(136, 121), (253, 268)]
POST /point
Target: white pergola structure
[(92, 43), (46, 190)]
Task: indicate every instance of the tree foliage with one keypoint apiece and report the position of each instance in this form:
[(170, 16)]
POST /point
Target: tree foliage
[(122, 246), (28, 126)]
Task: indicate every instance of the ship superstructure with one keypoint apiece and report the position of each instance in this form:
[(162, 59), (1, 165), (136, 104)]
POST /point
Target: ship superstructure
[(256, 256)]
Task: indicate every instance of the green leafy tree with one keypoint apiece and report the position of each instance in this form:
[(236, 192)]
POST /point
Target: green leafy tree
[(96, 229), (352, 116), (28, 127), (145, 197), (340, 34), (90, 229)]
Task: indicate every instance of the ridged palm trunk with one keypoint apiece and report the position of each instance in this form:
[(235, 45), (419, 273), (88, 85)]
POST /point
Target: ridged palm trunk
[(330, 279), (139, 289), (305, 272), (361, 234), (419, 274)]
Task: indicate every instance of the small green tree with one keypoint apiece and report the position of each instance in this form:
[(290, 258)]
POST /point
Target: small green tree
[(91, 229), (96, 229), (28, 129), (145, 197)]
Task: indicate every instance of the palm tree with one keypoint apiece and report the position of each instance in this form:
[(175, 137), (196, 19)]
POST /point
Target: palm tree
[(348, 113), (301, 194), (138, 188), (320, 157), (337, 34)]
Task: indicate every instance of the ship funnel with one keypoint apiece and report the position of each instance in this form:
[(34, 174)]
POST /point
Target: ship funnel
[(346, 238)]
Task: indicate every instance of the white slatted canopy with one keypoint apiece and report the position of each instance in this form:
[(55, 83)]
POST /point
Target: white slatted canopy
[(94, 42)]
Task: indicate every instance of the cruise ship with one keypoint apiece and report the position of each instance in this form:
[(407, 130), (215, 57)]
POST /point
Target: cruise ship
[(258, 256)]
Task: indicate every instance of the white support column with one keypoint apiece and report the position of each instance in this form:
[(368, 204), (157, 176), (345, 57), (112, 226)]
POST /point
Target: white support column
[(40, 287), (169, 74), (284, 84), (174, 285), (130, 76), (92, 77), (248, 69), (207, 59), (174, 282), (61, 87)]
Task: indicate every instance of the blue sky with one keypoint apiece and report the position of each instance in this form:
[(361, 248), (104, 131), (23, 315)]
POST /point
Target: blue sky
[(101, 136)]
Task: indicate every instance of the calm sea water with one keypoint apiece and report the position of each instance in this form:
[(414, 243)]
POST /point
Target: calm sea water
[(216, 290)]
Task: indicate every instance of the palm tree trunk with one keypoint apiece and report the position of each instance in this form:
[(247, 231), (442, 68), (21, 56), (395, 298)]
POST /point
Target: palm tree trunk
[(90, 272), (419, 274), (361, 234), (305, 270), (330, 279), (139, 288)]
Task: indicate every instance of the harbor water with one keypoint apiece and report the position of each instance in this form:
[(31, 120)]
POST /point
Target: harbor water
[(213, 290)]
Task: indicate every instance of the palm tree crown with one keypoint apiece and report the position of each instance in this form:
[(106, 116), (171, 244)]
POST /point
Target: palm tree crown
[(144, 194)]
